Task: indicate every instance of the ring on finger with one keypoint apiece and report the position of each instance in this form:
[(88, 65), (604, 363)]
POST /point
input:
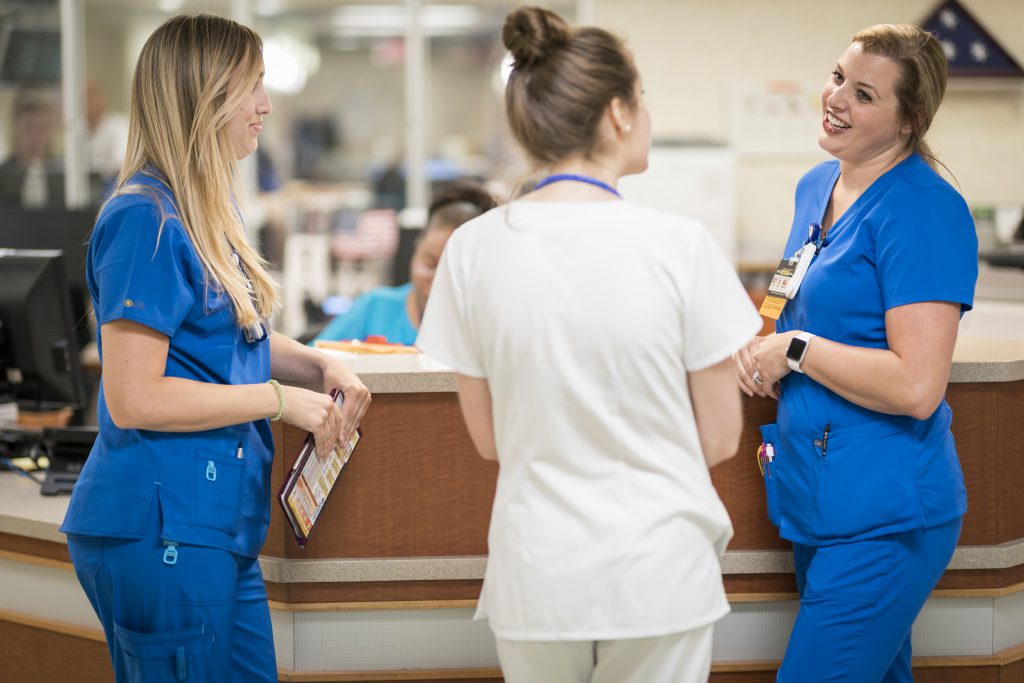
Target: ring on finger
[(757, 378)]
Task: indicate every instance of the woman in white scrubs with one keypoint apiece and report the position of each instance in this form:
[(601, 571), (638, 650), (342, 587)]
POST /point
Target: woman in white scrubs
[(591, 339)]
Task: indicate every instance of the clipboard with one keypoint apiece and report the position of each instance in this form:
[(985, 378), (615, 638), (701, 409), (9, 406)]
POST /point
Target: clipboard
[(309, 482)]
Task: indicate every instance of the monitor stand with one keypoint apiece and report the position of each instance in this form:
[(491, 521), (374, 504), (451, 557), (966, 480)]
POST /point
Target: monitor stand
[(61, 476), (68, 449)]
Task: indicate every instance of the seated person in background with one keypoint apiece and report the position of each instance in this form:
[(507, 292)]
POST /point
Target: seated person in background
[(32, 176), (395, 312)]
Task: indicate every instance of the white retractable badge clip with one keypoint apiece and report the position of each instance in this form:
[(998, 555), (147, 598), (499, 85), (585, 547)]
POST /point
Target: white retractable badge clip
[(803, 258)]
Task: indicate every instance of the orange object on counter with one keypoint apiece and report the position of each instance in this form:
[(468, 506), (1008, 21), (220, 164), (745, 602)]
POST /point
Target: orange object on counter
[(356, 346)]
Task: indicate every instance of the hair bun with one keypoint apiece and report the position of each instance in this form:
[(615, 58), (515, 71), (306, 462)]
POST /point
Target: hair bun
[(532, 34)]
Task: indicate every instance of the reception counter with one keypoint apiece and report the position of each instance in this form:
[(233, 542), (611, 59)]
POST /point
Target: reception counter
[(386, 587)]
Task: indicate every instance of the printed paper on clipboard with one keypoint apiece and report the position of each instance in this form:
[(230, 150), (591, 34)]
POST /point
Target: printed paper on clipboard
[(310, 481)]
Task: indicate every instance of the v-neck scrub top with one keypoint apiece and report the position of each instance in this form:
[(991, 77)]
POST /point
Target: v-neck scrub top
[(585, 318), (908, 238), (212, 486)]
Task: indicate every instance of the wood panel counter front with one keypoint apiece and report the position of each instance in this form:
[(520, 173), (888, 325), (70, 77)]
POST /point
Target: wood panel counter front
[(409, 519)]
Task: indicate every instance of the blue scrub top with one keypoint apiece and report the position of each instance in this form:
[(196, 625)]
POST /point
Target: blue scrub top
[(381, 311), (213, 487), (908, 238)]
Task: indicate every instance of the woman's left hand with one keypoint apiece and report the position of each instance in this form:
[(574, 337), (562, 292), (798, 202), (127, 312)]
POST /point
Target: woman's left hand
[(357, 397), (771, 361)]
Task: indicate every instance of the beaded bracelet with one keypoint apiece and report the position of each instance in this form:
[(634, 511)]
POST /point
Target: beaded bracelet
[(280, 399)]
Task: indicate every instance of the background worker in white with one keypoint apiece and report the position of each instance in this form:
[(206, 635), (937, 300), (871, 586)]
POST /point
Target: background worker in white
[(591, 339)]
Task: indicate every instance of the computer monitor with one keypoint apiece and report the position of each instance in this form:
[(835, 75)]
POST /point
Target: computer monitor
[(64, 229), (39, 364)]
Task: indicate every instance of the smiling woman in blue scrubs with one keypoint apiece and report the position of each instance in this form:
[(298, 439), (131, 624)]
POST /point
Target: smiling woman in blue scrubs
[(167, 519), (864, 478)]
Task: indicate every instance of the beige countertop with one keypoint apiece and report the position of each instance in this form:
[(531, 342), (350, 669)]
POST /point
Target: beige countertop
[(401, 373), (978, 359), (974, 360)]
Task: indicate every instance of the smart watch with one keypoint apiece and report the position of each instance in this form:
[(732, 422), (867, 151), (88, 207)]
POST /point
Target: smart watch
[(797, 350)]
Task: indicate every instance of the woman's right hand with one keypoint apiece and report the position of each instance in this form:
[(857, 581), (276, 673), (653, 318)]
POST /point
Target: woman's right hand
[(747, 370), (312, 411)]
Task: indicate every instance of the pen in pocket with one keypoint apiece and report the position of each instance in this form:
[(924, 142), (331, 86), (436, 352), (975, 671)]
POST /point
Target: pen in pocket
[(822, 443)]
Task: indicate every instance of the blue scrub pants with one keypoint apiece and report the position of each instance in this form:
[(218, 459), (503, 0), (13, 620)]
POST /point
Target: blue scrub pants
[(204, 618), (858, 602)]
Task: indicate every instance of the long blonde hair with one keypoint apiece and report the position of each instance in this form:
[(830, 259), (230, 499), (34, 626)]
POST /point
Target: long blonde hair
[(180, 108)]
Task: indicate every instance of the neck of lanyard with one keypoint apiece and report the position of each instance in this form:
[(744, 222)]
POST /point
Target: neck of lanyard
[(560, 177)]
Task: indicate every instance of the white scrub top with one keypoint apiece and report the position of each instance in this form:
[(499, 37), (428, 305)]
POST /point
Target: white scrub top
[(585, 319)]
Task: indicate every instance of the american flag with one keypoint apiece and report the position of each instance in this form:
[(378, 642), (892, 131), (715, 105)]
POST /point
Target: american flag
[(374, 236), (970, 49)]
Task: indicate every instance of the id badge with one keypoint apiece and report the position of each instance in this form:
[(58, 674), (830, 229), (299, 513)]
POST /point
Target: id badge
[(804, 257), (786, 281)]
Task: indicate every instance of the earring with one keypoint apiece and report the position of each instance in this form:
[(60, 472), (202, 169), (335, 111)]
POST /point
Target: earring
[(627, 127)]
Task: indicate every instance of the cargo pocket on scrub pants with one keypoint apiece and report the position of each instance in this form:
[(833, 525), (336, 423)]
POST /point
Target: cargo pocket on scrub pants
[(166, 656), (768, 465)]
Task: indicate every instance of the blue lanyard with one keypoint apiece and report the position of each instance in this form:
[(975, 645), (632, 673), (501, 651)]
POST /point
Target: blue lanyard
[(559, 177)]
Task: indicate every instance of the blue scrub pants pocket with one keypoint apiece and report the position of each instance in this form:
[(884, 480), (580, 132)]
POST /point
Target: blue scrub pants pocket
[(166, 656), (770, 470)]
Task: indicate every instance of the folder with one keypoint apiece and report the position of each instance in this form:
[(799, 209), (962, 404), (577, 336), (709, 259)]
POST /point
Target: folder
[(310, 481)]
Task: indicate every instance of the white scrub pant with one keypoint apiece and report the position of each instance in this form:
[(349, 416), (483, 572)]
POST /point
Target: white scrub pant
[(675, 658)]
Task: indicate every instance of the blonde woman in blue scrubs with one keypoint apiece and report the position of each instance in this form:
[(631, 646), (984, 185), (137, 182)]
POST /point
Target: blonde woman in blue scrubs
[(170, 512), (865, 479)]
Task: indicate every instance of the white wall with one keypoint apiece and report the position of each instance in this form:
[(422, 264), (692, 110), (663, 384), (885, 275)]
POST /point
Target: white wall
[(693, 54)]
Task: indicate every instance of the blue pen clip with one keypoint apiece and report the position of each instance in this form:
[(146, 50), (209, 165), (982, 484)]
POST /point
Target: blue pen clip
[(211, 471)]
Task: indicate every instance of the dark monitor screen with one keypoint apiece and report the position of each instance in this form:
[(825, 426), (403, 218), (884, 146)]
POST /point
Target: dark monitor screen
[(30, 55), (39, 364), (64, 229)]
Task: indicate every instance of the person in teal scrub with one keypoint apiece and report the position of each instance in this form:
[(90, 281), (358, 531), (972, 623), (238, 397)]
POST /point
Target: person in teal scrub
[(861, 471), (171, 509), (395, 312)]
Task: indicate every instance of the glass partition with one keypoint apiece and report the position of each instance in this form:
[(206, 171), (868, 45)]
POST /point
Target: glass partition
[(31, 134)]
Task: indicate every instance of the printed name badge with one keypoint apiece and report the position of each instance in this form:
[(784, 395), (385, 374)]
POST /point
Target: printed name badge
[(786, 282), (776, 299)]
